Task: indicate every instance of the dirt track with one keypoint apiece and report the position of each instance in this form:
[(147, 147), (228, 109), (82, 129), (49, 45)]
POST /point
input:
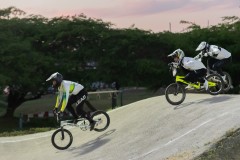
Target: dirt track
[(150, 129)]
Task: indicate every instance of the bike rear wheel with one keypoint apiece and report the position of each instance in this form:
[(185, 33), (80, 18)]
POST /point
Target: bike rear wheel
[(62, 139), (215, 84), (102, 120), (175, 94), (228, 83)]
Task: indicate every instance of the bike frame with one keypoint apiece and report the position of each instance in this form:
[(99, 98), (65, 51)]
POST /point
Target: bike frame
[(196, 86), (82, 125), (70, 123), (181, 79), (209, 70)]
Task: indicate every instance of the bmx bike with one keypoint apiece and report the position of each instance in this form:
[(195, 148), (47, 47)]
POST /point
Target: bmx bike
[(175, 93), (62, 138), (227, 85)]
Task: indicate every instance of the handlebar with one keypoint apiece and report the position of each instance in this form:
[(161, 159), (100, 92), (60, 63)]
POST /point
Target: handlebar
[(57, 116), (173, 67), (200, 56)]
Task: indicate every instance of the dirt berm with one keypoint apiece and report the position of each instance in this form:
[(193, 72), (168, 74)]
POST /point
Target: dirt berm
[(149, 129)]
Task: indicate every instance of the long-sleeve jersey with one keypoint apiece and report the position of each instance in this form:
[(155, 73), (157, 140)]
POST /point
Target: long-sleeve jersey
[(66, 89), (192, 64), (218, 52)]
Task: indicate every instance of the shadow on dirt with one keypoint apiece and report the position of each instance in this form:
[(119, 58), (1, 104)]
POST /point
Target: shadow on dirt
[(92, 145), (212, 100)]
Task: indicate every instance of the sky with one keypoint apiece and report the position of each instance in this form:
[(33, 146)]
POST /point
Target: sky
[(152, 15)]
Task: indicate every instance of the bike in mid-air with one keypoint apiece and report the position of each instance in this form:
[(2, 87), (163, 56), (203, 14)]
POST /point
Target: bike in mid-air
[(227, 85), (62, 138), (175, 93)]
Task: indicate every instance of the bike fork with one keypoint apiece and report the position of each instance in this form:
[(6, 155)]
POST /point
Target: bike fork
[(62, 133), (177, 89)]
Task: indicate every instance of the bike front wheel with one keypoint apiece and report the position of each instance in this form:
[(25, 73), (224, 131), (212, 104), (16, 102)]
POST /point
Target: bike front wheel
[(102, 120), (62, 139), (175, 94), (215, 84)]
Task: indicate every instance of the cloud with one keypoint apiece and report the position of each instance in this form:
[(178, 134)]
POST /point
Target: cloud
[(149, 7), (146, 14), (120, 8), (210, 5), (137, 8)]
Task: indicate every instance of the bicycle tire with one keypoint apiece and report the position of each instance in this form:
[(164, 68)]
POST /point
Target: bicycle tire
[(64, 133), (227, 86), (177, 89), (106, 117), (215, 78)]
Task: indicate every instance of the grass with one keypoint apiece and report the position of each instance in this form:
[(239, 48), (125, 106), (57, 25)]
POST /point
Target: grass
[(25, 131), (225, 149), (9, 127)]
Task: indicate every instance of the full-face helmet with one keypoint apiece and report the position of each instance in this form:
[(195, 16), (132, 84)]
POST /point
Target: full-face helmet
[(203, 46), (56, 77), (177, 53)]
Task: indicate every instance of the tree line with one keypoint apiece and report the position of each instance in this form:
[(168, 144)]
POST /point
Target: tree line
[(86, 50)]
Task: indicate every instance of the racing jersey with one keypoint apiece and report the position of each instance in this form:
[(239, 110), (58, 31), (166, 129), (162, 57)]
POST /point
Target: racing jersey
[(191, 64), (218, 52), (66, 89)]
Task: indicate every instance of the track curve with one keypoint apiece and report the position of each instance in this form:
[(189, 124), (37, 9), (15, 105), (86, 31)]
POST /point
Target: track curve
[(149, 129)]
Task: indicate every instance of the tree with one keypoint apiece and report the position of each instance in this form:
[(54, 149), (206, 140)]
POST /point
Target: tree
[(33, 47), (15, 97)]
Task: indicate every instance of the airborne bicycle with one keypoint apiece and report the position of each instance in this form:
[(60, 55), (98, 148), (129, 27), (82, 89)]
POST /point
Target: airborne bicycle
[(227, 85), (62, 138), (175, 93)]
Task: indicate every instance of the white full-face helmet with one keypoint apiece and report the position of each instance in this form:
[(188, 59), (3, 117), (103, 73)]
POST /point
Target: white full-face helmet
[(202, 46), (56, 77), (177, 53)]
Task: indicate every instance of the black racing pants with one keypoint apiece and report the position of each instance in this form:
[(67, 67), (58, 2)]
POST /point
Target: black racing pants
[(217, 65), (196, 76), (79, 99)]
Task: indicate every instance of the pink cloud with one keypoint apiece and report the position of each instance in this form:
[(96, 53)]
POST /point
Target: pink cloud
[(149, 13), (150, 7), (136, 8), (210, 5)]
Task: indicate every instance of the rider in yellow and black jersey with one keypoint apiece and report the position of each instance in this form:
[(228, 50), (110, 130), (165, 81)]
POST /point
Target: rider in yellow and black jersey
[(69, 93)]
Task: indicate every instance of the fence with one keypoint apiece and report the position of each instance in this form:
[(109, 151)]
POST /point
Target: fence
[(112, 94)]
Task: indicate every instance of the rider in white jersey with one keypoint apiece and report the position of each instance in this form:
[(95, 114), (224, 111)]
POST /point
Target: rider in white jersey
[(69, 93), (196, 70), (219, 56), (191, 64)]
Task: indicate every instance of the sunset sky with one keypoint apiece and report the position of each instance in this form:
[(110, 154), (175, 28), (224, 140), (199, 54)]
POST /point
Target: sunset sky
[(155, 15)]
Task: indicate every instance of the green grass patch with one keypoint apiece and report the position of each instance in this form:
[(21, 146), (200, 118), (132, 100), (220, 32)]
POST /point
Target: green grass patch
[(10, 127), (226, 149), (24, 131)]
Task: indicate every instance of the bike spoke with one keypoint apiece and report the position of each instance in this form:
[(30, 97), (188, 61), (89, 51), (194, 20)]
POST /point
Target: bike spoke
[(175, 94), (62, 139), (100, 119)]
